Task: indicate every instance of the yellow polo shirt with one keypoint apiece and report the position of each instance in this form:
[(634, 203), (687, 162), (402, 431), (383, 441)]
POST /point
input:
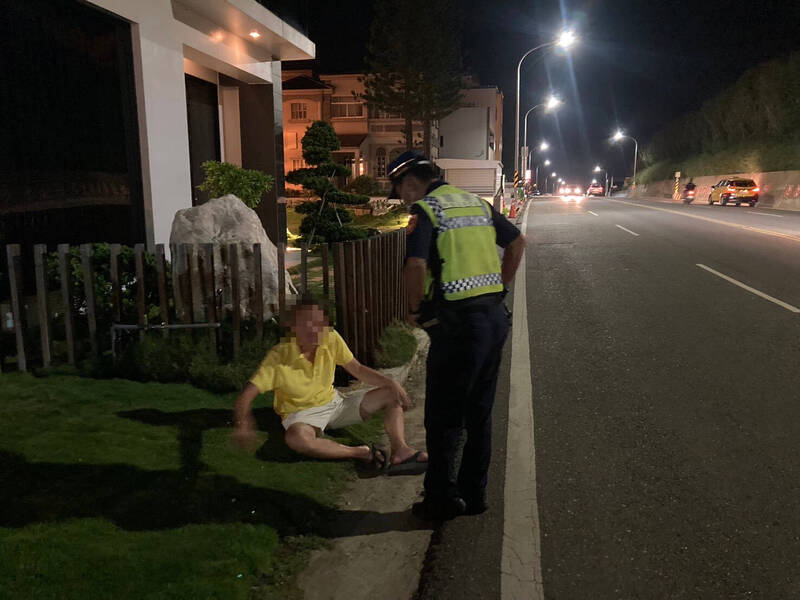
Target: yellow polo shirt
[(297, 383)]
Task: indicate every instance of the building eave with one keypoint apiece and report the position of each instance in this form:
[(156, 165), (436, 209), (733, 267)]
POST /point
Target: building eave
[(277, 40)]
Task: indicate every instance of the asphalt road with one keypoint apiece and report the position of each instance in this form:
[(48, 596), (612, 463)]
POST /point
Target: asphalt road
[(666, 408)]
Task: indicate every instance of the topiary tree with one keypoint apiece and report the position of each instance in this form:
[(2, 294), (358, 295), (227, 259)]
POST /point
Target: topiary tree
[(324, 221)]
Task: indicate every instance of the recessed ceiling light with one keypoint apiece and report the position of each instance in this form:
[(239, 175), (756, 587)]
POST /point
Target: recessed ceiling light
[(255, 35)]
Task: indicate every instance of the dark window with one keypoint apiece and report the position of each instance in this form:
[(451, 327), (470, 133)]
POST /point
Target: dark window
[(70, 168), (202, 107)]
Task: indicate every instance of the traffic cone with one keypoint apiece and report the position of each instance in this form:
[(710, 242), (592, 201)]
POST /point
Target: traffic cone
[(512, 214)]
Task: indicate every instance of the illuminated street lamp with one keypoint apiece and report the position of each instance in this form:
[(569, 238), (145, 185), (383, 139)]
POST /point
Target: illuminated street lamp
[(550, 104), (618, 136), (543, 146), (565, 40)]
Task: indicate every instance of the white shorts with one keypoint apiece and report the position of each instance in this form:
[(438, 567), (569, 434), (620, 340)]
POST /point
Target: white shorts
[(339, 412)]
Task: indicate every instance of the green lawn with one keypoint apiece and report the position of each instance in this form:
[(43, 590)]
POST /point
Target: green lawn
[(394, 219), (118, 489)]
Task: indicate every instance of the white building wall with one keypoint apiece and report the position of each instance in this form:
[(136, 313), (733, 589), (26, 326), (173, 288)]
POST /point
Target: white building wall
[(160, 44), (465, 134)]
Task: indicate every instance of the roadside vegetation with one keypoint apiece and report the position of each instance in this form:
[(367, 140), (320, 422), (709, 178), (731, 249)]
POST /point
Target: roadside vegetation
[(745, 158), (753, 125)]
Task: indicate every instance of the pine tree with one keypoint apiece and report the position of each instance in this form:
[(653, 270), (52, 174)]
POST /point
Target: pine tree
[(324, 222), (414, 60)]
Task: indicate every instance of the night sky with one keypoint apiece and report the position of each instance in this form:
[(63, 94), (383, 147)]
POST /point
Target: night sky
[(638, 64)]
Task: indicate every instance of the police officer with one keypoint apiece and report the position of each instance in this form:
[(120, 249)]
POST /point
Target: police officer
[(455, 285)]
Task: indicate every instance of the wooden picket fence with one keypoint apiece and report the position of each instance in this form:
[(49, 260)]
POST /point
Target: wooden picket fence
[(370, 293), (366, 287)]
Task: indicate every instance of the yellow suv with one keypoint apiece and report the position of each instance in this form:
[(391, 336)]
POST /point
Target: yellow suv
[(734, 190)]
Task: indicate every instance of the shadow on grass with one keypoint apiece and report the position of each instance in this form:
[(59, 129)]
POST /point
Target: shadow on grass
[(192, 423), (137, 499)]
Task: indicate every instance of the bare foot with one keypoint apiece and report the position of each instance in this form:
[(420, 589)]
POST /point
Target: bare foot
[(407, 452), (364, 453)]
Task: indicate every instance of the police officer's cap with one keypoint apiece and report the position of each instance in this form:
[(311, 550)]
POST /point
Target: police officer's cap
[(402, 165)]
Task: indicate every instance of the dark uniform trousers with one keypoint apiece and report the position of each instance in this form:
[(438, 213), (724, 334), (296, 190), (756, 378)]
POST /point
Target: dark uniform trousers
[(463, 362)]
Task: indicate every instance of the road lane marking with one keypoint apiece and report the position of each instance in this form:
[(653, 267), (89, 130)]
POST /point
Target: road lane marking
[(521, 559), (628, 230), (786, 236), (755, 212), (781, 303), (593, 213)]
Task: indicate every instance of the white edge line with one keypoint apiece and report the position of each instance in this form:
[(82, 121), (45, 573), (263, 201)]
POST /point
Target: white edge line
[(755, 212), (780, 303), (628, 230), (593, 213), (521, 559)]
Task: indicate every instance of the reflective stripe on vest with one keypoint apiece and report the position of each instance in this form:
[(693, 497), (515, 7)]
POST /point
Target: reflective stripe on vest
[(466, 241)]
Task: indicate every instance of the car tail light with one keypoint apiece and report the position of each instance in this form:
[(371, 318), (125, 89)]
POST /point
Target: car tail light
[(755, 189)]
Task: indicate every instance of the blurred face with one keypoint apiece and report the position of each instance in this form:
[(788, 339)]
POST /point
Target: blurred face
[(410, 189), (309, 323)]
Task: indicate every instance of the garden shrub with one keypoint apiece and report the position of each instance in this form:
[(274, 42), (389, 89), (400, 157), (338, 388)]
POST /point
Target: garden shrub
[(185, 357), (364, 185), (246, 184)]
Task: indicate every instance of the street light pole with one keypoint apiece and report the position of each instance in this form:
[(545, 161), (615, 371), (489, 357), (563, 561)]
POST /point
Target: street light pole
[(565, 40), (619, 136)]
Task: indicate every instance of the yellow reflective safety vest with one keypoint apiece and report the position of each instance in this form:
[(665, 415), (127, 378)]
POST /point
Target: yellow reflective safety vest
[(467, 245)]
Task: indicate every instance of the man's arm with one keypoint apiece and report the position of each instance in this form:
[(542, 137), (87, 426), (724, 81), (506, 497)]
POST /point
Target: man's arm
[(512, 256), (243, 416), (414, 277), (372, 377)]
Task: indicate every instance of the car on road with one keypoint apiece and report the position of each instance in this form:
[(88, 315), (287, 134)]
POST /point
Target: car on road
[(570, 192), (596, 189), (736, 189)]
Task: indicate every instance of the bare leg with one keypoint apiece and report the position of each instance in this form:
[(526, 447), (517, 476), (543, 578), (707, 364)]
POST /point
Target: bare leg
[(381, 399), (303, 439)]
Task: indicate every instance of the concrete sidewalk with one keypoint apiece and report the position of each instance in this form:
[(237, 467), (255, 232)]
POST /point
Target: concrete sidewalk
[(381, 556)]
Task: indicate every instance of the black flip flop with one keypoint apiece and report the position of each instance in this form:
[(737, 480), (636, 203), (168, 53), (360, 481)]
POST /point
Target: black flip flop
[(380, 458), (410, 466), (376, 466)]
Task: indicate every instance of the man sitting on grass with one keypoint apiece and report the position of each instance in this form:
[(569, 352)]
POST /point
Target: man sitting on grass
[(300, 370)]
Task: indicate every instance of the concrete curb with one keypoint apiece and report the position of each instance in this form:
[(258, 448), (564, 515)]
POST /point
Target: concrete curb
[(353, 567)]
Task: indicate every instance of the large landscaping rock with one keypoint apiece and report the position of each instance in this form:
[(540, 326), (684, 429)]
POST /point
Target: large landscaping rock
[(224, 221)]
